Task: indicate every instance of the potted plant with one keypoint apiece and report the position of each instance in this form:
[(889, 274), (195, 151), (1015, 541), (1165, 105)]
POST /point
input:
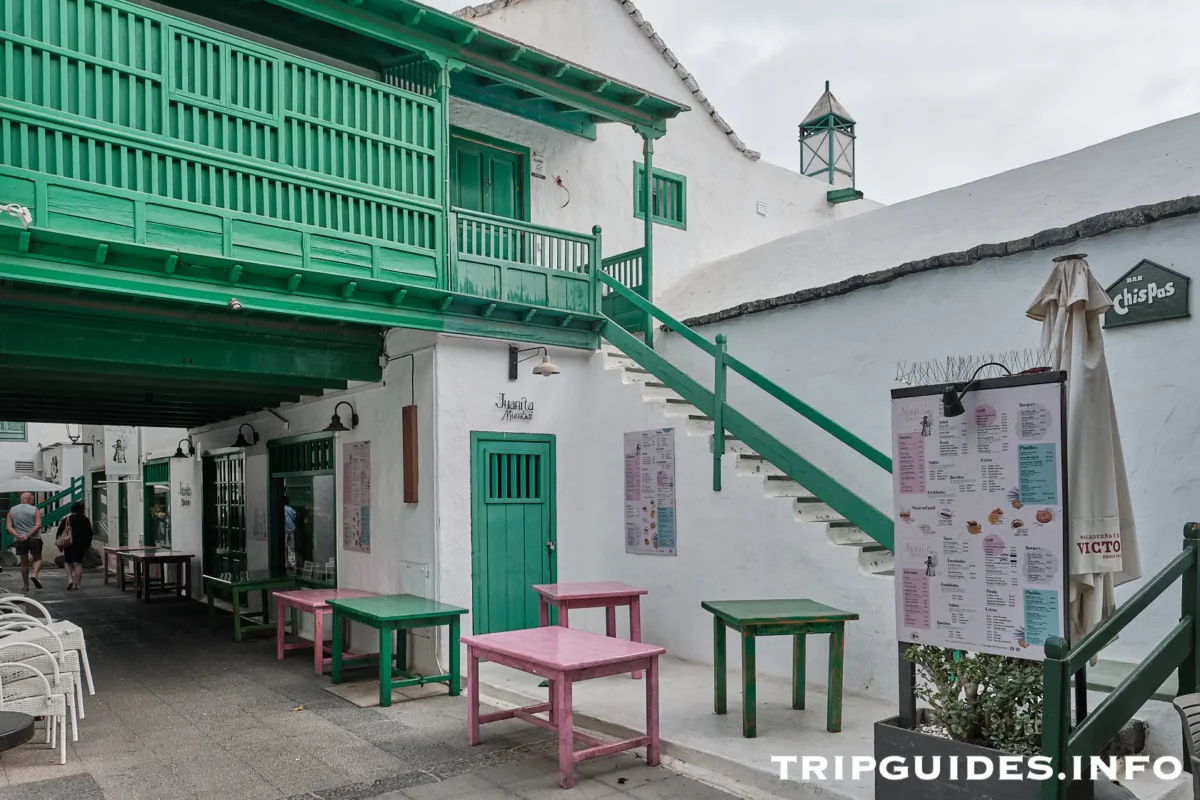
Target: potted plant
[(979, 705)]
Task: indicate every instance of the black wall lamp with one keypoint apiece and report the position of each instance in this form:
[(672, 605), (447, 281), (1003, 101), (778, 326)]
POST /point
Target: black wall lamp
[(545, 369), (241, 439), (191, 449), (335, 423), (952, 400)]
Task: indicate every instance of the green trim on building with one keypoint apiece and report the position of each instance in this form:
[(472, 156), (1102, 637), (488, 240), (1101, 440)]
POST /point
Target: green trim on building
[(13, 432)]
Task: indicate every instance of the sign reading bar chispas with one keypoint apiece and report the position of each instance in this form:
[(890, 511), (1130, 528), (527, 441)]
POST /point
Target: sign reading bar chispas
[(1147, 293)]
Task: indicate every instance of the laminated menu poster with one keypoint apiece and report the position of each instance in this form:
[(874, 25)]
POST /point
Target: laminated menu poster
[(650, 492), (979, 517), (356, 496)]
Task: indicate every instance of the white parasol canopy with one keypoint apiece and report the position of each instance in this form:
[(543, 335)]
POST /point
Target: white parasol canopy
[(28, 484), (1104, 549)]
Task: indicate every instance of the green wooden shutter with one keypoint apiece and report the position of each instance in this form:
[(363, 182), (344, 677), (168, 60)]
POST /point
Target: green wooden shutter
[(670, 197)]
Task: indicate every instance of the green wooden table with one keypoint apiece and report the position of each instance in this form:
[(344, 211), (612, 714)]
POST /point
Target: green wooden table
[(259, 580), (389, 614), (797, 618)]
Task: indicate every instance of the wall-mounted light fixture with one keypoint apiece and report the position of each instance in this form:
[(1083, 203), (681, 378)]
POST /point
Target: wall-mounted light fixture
[(335, 423), (545, 369), (241, 437), (952, 400), (75, 433), (179, 451)]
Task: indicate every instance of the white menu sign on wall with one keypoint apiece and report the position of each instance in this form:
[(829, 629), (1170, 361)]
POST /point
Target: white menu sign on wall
[(120, 451), (979, 520), (650, 492), (356, 496)]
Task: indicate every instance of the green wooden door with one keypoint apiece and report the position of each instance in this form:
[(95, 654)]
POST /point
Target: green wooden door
[(224, 529), (513, 536), (488, 176)]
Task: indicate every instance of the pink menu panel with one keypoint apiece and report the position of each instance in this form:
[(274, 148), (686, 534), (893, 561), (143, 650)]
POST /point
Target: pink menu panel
[(915, 593)]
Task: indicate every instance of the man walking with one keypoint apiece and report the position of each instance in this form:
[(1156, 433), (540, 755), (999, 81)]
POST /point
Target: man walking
[(25, 526)]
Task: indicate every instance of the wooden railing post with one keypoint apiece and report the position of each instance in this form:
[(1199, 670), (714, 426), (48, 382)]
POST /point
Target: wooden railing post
[(1189, 670), (648, 254), (718, 442), (1056, 714), (596, 264)]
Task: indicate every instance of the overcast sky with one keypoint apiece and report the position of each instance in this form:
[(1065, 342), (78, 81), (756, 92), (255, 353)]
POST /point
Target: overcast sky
[(944, 91)]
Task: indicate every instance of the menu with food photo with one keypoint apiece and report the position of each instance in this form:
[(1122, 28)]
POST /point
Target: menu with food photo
[(979, 516)]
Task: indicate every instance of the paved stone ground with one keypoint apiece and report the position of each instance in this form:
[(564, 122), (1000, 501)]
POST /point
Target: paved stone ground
[(184, 714)]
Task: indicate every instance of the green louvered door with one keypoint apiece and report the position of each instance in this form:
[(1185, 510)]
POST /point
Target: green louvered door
[(512, 528)]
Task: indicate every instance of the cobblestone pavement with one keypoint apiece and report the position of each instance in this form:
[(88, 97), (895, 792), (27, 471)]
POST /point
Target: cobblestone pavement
[(181, 713)]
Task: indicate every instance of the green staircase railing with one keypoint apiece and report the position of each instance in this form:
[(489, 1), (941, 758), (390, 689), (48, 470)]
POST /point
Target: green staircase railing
[(1061, 740), (875, 523), (53, 508)]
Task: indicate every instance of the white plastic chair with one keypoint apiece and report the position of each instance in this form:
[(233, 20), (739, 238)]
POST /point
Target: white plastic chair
[(70, 633), (21, 628), (18, 685), (48, 703)]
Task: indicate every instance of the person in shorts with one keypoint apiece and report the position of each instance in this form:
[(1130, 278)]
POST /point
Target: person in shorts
[(24, 524)]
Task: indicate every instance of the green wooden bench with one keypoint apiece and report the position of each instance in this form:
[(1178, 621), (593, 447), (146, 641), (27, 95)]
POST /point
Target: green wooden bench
[(798, 618)]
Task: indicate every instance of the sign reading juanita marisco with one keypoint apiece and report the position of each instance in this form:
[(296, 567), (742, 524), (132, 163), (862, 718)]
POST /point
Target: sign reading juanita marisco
[(979, 519)]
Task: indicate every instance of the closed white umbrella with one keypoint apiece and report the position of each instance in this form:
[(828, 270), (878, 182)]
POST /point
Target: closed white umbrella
[(27, 484), (1104, 548)]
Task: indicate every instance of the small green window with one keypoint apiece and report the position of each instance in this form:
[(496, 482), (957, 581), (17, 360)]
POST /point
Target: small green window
[(12, 432), (670, 197)]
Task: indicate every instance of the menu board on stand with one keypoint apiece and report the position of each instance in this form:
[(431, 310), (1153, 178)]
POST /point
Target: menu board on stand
[(981, 515)]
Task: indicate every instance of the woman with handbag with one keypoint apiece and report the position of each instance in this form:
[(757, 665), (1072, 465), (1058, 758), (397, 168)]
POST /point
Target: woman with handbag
[(74, 540)]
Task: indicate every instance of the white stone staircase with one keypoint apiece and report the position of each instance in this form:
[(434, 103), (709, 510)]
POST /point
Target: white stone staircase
[(873, 558)]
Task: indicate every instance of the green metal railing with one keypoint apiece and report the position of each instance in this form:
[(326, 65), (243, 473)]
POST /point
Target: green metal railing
[(53, 508), (871, 520), (1177, 651)]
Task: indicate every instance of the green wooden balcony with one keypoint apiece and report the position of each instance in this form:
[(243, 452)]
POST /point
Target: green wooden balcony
[(162, 159)]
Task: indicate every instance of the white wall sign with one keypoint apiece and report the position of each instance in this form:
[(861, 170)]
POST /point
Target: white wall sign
[(120, 450), (650, 492), (537, 164), (979, 519), (356, 496), (185, 493)]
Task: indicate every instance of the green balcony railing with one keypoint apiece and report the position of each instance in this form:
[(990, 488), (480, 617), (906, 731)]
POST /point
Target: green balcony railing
[(1061, 740), (877, 524)]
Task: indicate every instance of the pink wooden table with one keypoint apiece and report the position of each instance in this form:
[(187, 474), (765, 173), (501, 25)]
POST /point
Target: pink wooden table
[(564, 656), (310, 601), (602, 594)]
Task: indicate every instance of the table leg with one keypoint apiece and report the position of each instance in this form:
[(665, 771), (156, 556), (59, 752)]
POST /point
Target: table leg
[(402, 650), (610, 621), (836, 645), (635, 626), (719, 675), (652, 750), (318, 641), (799, 657), (279, 629), (146, 579), (562, 615), (473, 697), (385, 665), (564, 718), (266, 607), (543, 612), (335, 669), (235, 597), (749, 686), (455, 654), (294, 613)]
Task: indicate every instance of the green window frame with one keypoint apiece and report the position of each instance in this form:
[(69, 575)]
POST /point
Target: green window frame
[(13, 432), (670, 196), (156, 502)]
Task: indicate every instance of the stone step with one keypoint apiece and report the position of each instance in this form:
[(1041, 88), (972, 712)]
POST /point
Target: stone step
[(618, 360), (783, 486), (657, 390), (848, 535), (732, 445), (876, 560), (754, 464), (815, 511), (638, 375), (678, 407)]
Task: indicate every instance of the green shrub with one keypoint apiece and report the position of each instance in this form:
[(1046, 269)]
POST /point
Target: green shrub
[(993, 701)]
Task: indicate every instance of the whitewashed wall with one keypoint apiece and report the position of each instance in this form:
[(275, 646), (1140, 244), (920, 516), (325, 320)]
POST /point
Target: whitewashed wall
[(841, 354), (37, 436), (736, 544), (723, 189), (402, 557)]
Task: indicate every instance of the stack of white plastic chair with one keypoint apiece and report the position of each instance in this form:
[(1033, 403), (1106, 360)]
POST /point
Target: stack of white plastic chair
[(34, 681), (12, 606)]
